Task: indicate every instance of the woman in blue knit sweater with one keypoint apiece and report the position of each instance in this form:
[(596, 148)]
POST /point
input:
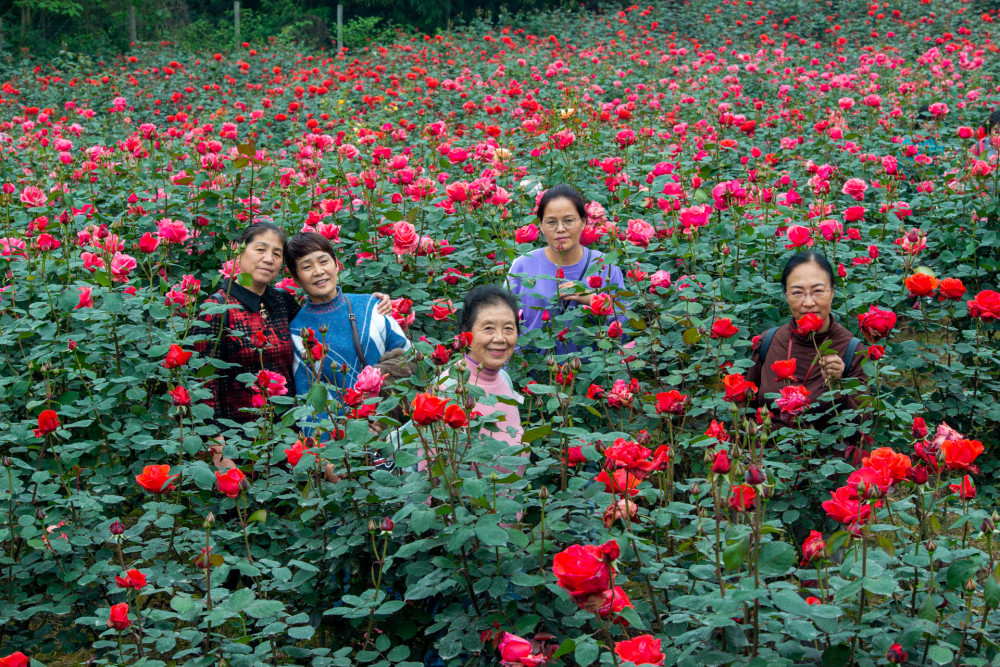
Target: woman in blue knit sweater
[(311, 260)]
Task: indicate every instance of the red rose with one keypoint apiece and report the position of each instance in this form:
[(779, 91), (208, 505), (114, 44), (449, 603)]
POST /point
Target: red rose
[(738, 389), (783, 369), (595, 392), (230, 481), (717, 431), (812, 547), (454, 416), (721, 464), (156, 479), (896, 465), (614, 601), (428, 409), (517, 650), (875, 352), (723, 328), (794, 400), (642, 650), (628, 455), (985, 306), (671, 402), (462, 341), (896, 655), (854, 213), (48, 422), (132, 579), (876, 323), (620, 483), (844, 507), (294, 454), (961, 454), (441, 309), (148, 243), (808, 324), (601, 305), (118, 618), (176, 357), (180, 397), (441, 355), (966, 490), (919, 428), (576, 456), (742, 497), (582, 570), (951, 288), (921, 284), (661, 457), (16, 659)]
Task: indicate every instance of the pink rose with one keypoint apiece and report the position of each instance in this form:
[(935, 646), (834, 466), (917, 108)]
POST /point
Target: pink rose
[(172, 231), (855, 187), (639, 233), (369, 382), (121, 266), (526, 234)]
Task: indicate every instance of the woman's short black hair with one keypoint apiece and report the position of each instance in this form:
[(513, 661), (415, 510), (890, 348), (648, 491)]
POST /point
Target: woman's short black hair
[(807, 257), (924, 115), (261, 227), (993, 121), (305, 244), (484, 296), (562, 192)]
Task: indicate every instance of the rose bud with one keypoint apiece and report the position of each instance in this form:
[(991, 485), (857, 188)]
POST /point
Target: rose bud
[(40, 514), (931, 546), (721, 464), (695, 490), (918, 475), (919, 428), (970, 585), (387, 525), (543, 493), (116, 527), (209, 521), (372, 526), (896, 655), (987, 526), (755, 476)]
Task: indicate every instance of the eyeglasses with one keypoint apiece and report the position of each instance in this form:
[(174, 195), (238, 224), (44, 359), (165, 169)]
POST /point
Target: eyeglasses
[(815, 295), (552, 225)]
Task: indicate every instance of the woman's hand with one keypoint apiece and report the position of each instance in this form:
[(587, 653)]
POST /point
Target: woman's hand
[(221, 462), (832, 366), (567, 291), (384, 306)]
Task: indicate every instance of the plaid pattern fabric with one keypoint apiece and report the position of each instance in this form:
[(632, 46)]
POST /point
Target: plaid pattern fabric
[(269, 314)]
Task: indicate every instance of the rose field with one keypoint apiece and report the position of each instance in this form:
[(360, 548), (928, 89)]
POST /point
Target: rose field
[(661, 517)]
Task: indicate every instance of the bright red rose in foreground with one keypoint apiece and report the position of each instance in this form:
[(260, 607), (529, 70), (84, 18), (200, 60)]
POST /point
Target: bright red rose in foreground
[(794, 400), (742, 497), (628, 455), (16, 659), (921, 284), (642, 650), (783, 369), (48, 422), (132, 579), (961, 454), (951, 288), (619, 483), (808, 324), (738, 388), (844, 507), (516, 650), (614, 602), (671, 402), (454, 416), (721, 464), (230, 481), (585, 569), (723, 328), (428, 408), (876, 324), (896, 465), (156, 479), (176, 357), (986, 306), (966, 490), (601, 305), (118, 617), (812, 547)]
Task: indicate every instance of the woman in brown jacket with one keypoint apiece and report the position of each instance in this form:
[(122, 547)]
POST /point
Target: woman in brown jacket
[(808, 282)]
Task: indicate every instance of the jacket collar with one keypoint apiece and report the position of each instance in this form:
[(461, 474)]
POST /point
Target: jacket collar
[(249, 299)]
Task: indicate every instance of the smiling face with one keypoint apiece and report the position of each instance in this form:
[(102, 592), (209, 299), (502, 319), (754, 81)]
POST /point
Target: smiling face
[(262, 259), (564, 238), (494, 335), (804, 281), (317, 274)]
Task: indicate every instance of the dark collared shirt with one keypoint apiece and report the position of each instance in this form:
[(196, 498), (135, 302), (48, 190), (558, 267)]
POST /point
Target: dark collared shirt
[(268, 314)]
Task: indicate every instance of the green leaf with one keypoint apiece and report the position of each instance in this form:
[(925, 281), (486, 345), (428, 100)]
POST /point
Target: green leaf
[(586, 651), (991, 593), (259, 516), (735, 554), (927, 611), (883, 585), (940, 654), (837, 655), (317, 397), (791, 602), (961, 571), (301, 632), (564, 648), (264, 608), (533, 434), (776, 558), (491, 534)]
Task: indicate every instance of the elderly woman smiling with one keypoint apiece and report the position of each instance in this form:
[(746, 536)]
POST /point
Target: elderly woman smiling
[(788, 358)]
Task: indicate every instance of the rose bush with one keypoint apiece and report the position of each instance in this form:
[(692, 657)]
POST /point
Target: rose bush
[(709, 154)]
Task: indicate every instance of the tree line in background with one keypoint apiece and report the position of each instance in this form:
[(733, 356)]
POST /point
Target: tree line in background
[(103, 25)]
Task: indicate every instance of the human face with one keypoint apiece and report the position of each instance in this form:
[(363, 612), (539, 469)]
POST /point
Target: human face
[(262, 260), (807, 279), (317, 275), (494, 335), (995, 136), (562, 239)]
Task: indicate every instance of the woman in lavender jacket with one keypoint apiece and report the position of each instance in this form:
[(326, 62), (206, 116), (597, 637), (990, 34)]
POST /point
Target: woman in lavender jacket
[(563, 275)]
